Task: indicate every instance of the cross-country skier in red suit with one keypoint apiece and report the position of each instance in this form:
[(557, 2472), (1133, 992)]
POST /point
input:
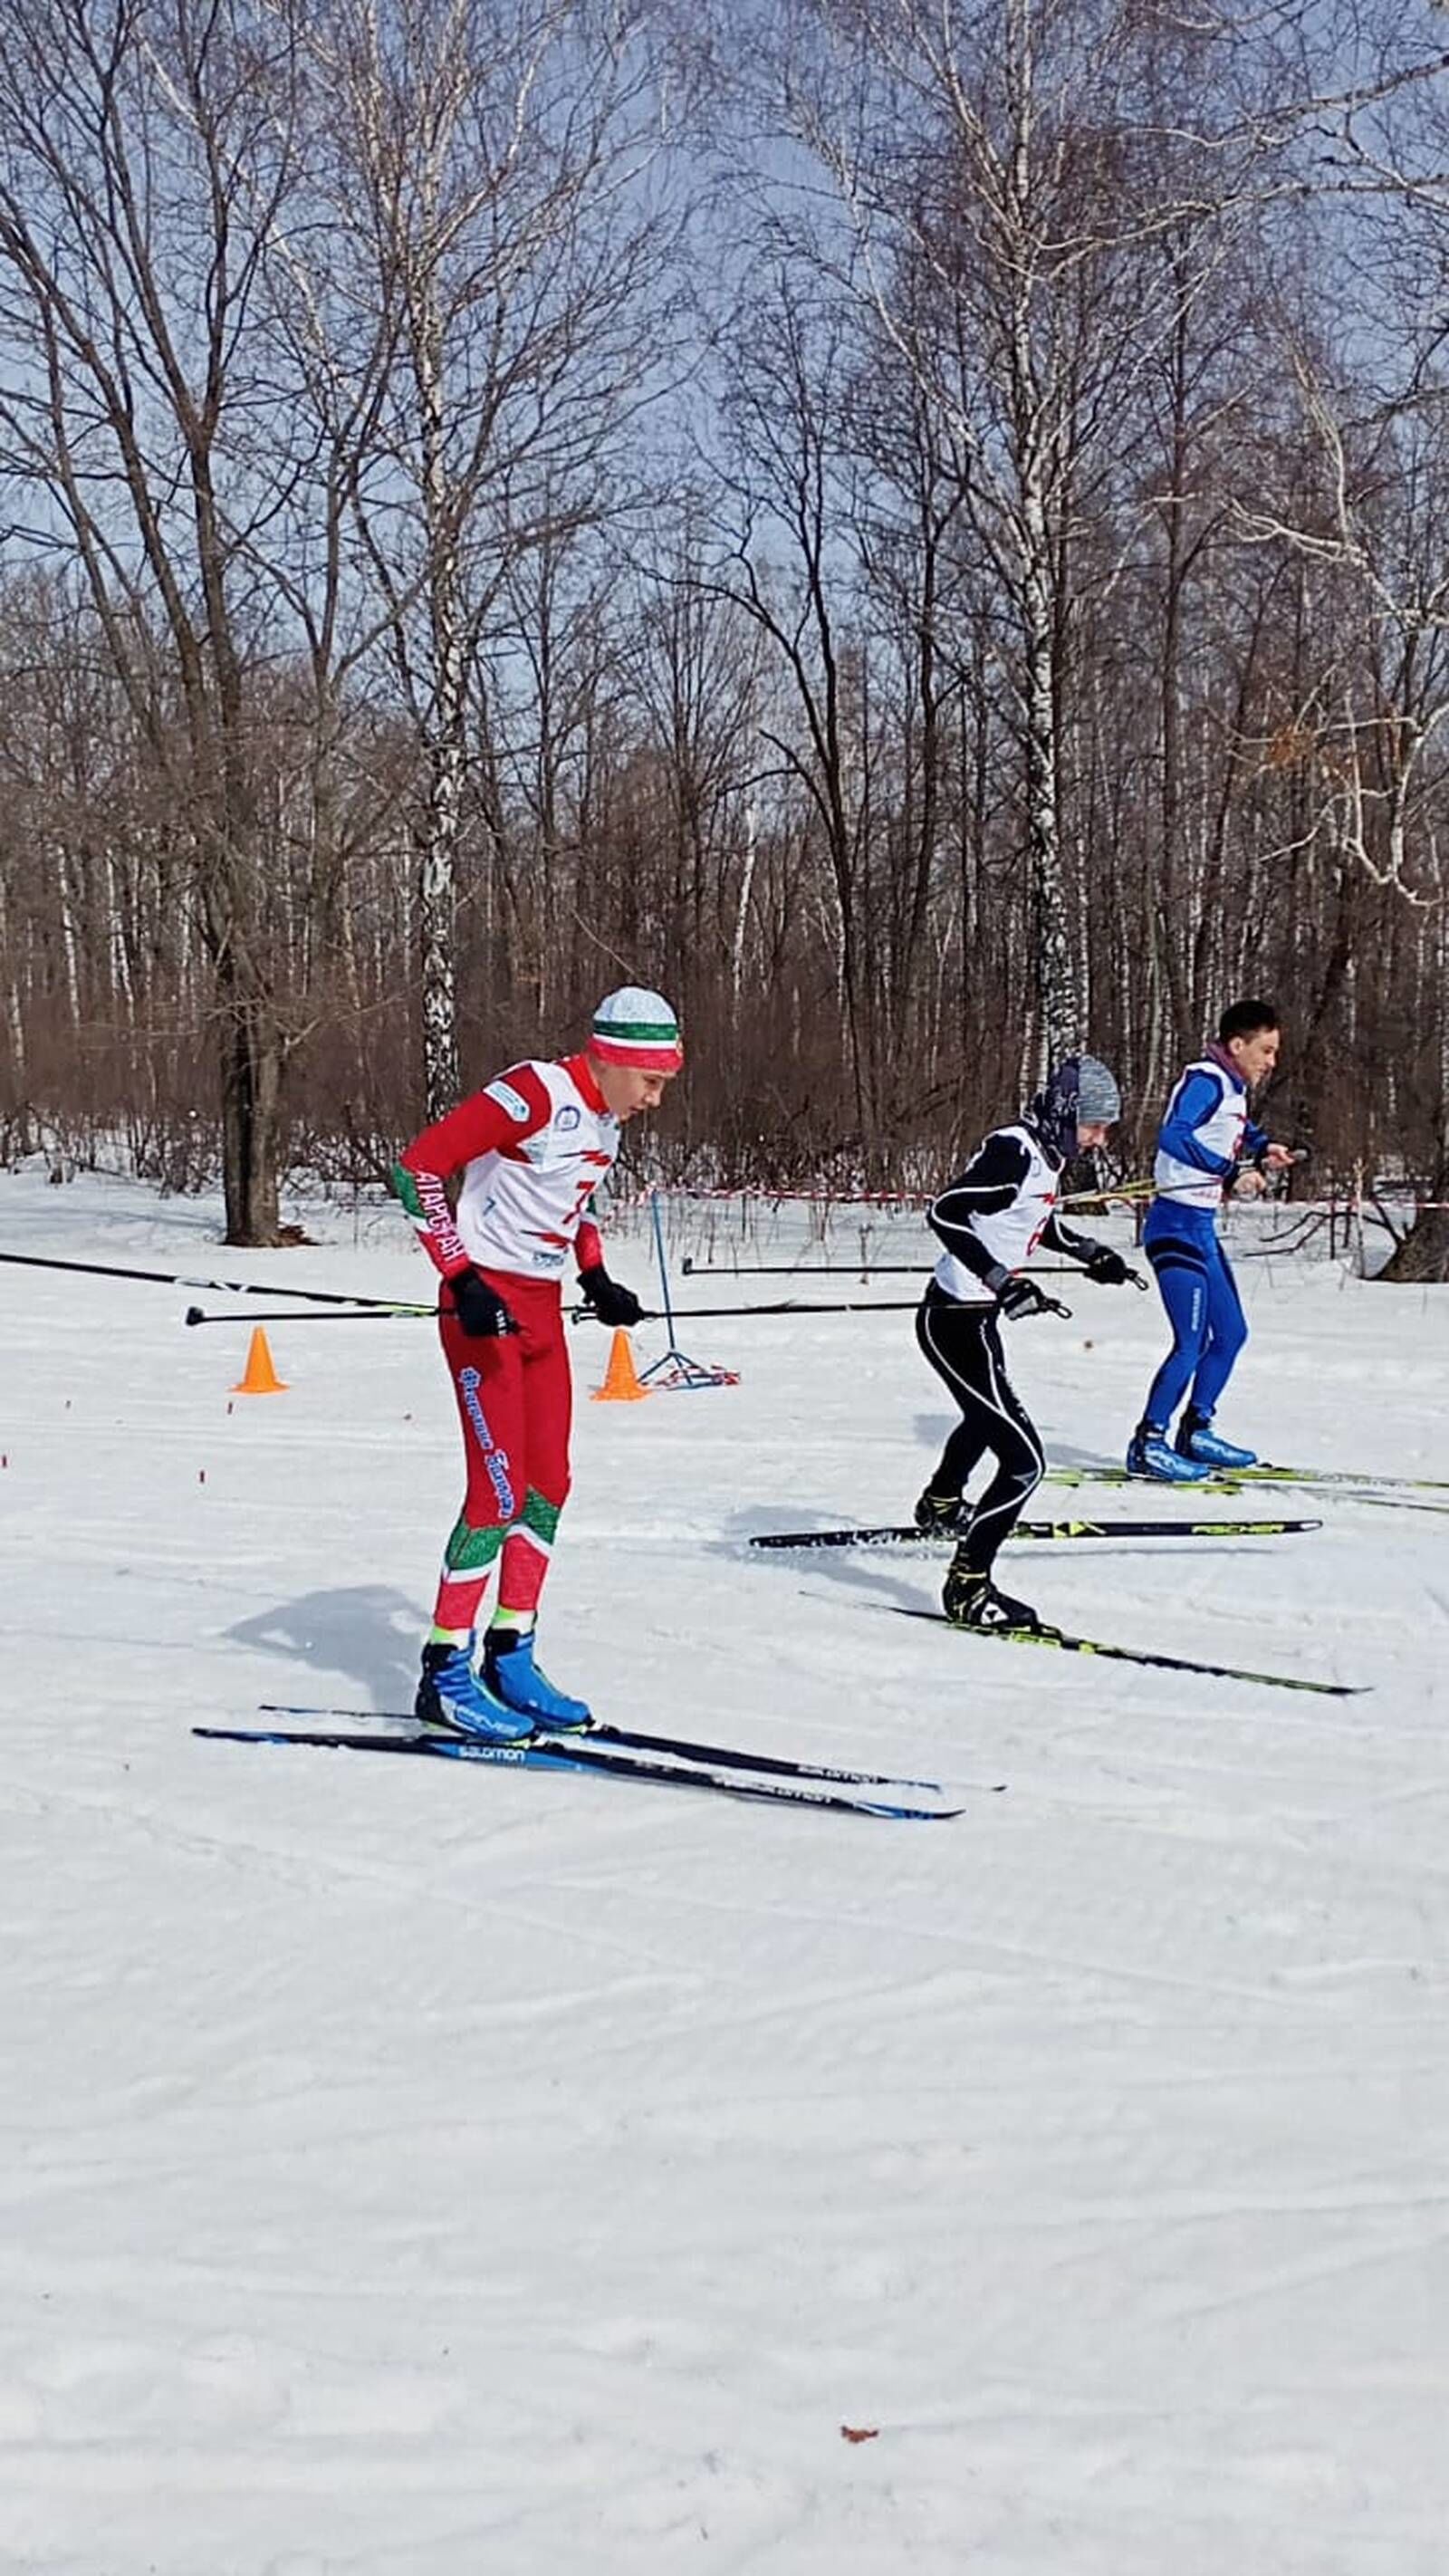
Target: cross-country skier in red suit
[(532, 1147)]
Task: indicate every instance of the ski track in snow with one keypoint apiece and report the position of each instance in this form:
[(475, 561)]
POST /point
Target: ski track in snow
[(408, 2171)]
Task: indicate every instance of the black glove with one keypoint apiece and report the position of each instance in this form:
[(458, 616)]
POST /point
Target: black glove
[(1107, 1267), (1023, 1297), (611, 1303), (479, 1309)]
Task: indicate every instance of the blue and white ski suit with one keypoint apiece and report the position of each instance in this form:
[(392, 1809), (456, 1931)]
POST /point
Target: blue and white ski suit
[(1205, 1134)]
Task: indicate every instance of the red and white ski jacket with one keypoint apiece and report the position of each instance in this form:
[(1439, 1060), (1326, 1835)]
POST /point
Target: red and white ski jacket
[(532, 1146)]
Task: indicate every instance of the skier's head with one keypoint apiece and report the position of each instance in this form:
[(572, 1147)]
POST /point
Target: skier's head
[(1076, 1105), (1249, 1033), (635, 1048)]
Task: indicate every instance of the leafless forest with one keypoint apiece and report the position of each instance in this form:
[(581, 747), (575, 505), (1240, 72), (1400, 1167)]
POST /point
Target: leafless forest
[(922, 530)]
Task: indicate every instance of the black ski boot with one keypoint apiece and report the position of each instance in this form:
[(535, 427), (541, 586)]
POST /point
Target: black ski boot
[(936, 1513), (971, 1600)]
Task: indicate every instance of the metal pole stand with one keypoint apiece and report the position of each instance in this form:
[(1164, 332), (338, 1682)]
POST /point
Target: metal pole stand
[(675, 1369)]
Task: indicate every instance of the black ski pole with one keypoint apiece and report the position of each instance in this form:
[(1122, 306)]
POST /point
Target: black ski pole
[(375, 1314), (210, 1287), (804, 1271), (784, 1306), (797, 1306)]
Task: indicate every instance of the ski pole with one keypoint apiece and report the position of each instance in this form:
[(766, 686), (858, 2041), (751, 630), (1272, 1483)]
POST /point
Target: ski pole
[(663, 1264), (211, 1287), (371, 1314), (795, 1306), (860, 1270), (837, 1269), (785, 1306), (802, 1269)]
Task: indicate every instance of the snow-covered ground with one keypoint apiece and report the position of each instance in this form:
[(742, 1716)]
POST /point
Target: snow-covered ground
[(410, 2171)]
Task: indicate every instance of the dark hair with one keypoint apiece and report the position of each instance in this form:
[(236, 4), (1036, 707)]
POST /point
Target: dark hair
[(1244, 1019)]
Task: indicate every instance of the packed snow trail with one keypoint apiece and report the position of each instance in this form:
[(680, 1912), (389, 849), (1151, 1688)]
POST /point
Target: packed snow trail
[(405, 2176)]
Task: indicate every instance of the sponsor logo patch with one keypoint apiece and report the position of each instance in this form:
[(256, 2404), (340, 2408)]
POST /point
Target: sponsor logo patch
[(566, 1119), (509, 1099)]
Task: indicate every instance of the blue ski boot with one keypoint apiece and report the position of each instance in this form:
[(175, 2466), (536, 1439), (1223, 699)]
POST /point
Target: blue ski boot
[(514, 1678), (450, 1695), (1150, 1453), (1197, 1439)]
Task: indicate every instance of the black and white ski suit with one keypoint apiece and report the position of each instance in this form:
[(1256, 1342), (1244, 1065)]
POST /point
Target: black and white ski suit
[(989, 1221)]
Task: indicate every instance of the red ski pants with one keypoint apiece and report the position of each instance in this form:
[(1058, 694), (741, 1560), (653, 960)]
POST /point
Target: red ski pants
[(515, 1404)]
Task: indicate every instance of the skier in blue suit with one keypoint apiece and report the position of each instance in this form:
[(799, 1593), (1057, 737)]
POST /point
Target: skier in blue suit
[(1207, 1146)]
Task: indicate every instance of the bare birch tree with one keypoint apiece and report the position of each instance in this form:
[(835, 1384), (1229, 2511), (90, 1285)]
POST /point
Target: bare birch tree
[(981, 172), (495, 166)]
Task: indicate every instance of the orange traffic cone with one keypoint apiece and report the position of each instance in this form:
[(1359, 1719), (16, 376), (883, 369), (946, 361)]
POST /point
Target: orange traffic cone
[(621, 1378), (259, 1378)]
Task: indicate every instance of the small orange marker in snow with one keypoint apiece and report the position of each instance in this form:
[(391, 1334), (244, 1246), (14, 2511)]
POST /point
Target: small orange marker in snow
[(259, 1378), (621, 1378)]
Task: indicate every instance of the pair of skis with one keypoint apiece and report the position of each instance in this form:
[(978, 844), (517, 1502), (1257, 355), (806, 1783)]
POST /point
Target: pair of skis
[(619, 1752), (1063, 1640)]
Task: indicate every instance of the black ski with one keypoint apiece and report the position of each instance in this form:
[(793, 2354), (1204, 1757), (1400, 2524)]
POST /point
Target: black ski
[(907, 1535), (1067, 1644), (551, 1754)]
